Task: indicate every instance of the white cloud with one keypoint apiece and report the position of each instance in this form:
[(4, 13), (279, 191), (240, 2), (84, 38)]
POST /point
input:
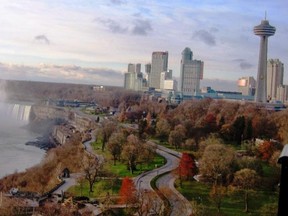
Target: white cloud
[(167, 25)]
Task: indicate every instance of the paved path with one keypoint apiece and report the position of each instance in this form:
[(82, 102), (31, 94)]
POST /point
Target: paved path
[(179, 204), (69, 182)]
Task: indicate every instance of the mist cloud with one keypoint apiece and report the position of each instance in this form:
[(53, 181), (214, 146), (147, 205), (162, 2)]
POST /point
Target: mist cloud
[(205, 37), (142, 27), (113, 26), (243, 64), (118, 2), (42, 39)]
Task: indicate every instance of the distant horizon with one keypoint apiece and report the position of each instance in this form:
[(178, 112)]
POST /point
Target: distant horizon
[(215, 84)]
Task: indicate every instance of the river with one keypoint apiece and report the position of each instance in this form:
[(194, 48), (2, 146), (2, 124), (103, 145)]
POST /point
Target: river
[(14, 154)]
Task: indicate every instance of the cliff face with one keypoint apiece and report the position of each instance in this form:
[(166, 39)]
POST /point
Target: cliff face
[(39, 112), (61, 133)]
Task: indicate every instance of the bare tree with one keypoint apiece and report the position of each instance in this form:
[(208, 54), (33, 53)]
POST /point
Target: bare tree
[(92, 166), (115, 145)]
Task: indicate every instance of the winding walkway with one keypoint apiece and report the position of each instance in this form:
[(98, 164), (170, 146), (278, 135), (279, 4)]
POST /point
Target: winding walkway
[(179, 204)]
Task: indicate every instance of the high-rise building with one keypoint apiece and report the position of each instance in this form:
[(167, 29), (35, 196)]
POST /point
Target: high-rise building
[(264, 30), (247, 85), (158, 65), (282, 93), (275, 72), (164, 76), (191, 72), (133, 78)]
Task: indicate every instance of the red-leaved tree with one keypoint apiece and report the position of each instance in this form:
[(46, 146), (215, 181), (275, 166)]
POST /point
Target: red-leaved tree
[(266, 149), (127, 192), (187, 166)]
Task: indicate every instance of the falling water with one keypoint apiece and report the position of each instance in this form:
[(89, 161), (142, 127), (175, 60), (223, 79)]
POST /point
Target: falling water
[(14, 154)]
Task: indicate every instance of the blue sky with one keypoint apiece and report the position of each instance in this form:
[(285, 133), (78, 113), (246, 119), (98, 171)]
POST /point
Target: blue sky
[(92, 41)]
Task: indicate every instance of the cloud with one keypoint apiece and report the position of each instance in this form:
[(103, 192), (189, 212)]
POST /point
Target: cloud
[(142, 27), (139, 27), (65, 74), (42, 39), (113, 26), (243, 64), (205, 37), (118, 2)]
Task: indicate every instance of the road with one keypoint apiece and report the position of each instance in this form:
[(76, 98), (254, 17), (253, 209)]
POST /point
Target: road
[(179, 204)]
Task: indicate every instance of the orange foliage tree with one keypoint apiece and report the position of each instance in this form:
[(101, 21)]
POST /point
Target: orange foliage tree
[(127, 192), (266, 149), (187, 167)]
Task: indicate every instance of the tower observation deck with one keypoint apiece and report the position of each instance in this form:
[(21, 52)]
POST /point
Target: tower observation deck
[(264, 30)]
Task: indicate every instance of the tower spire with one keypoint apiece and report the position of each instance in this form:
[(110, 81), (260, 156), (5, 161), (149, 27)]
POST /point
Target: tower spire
[(264, 30)]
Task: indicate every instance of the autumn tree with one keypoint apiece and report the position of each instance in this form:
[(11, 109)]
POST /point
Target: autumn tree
[(149, 203), (246, 179), (250, 163), (147, 153), (176, 137), (187, 167), (105, 131), (209, 123), (216, 163), (115, 145), (127, 192), (267, 148), (131, 151), (217, 194), (92, 166), (162, 129)]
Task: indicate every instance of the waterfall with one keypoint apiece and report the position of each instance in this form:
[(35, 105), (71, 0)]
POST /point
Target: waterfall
[(20, 112)]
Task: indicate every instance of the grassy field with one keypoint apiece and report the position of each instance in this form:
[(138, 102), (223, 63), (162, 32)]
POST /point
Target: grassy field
[(233, 202), (120, 169), (112, 186), (100, 189)]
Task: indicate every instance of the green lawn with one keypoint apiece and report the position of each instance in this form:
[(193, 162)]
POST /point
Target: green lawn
[(100, 188), (232, 204), (120, 169)]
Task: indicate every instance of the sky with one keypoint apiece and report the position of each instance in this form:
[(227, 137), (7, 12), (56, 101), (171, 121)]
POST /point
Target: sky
[(92, 41)]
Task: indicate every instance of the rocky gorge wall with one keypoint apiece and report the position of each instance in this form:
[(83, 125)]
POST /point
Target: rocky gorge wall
[(75, 121)]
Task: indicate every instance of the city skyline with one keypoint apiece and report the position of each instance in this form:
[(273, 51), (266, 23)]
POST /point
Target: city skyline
[(80, 42)]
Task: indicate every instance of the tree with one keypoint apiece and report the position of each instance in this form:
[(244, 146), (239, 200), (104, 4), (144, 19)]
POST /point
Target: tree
[(267, 148), (199, 209), (105, 131), (217, 163), (162, 129), (238, 129), (131, 151), (177, 136), (187, 167), (147, 153), (248, 131), (115, 145), (127, 192), (149, 203), (92, 167), (216, 195), (246, 179)]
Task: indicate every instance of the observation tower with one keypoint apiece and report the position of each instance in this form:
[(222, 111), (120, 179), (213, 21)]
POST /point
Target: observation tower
[(264, 30)]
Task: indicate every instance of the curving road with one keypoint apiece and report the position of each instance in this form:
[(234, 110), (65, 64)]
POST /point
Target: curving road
[(179, 204)]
